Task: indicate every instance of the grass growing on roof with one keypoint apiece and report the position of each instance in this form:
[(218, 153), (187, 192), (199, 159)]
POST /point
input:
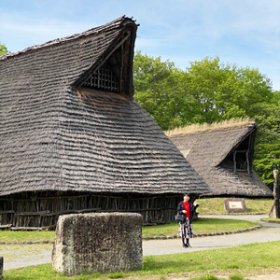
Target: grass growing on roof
[(193, 128), (237, 261)]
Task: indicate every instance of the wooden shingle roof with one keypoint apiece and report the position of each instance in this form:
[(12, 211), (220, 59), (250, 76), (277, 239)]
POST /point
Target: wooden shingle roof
[(207, 148), (57, 135)]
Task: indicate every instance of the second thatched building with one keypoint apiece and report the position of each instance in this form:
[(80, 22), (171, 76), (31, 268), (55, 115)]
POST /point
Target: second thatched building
[(222, 154)]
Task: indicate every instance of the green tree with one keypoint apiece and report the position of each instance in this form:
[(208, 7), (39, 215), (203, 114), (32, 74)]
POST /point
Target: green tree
[(159, 88), (267, 150), (225, 91), (3, 49), (210, 91)]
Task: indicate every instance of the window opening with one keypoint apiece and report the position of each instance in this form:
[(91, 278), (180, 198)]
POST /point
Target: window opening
[(104, 78), (241, 161)]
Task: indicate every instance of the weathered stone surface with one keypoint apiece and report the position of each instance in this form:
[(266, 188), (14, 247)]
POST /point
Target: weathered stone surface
[(1, 268), (99, 242)]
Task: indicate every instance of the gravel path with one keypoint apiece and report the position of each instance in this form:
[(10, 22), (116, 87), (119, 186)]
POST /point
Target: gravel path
[(16, 256)]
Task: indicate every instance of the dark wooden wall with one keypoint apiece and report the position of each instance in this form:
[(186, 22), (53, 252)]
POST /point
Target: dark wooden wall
[(41, 210)]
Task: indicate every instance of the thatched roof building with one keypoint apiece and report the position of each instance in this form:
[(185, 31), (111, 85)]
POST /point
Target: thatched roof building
[(222, 154), (71, 133)]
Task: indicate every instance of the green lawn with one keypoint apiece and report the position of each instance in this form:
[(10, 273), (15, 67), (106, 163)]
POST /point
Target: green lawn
[(215, 206), (201, 226), (25, 236), (206, 206), (241, 260), (236, 263)]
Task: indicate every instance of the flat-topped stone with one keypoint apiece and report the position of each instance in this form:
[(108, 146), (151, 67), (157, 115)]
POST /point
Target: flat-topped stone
[(98, 242)]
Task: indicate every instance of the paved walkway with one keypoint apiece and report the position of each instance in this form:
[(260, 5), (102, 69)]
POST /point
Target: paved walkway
[(25, 256), (269, 232)]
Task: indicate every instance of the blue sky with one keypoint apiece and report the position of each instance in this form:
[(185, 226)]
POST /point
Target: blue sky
[(240, 32)]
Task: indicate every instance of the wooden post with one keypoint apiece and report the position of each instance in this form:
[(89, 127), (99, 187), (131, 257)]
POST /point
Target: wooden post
[(1, 268), (276, 193)]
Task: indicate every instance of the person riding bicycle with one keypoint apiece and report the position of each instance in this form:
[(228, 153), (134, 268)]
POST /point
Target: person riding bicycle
[(185, 212)]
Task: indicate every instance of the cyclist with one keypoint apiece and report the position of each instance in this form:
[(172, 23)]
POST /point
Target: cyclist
[(185, 211)]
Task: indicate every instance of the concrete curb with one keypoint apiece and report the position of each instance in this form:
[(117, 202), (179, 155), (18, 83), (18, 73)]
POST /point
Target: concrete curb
[(268, 222), (241, 214)]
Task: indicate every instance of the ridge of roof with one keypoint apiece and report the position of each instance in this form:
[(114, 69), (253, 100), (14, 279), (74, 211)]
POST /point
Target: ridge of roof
[(105, 27), (195, 128)]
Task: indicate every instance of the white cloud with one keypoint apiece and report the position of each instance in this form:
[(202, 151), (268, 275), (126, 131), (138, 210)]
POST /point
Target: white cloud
[(245, 32), (18, 33)]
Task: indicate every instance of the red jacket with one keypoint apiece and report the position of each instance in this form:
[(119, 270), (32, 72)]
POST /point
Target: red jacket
[(187, 207)]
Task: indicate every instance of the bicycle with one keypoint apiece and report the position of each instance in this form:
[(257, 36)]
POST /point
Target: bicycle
[(185, 231)]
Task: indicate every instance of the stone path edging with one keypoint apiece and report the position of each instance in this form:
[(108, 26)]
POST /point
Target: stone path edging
[(273, 222), (243, 214), (206, 234)]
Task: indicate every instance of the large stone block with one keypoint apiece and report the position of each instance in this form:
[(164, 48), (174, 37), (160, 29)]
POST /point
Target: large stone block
[(99, 242), (1, 268)]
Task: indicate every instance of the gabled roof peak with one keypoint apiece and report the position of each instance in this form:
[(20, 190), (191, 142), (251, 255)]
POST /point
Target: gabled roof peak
[(117, 23)]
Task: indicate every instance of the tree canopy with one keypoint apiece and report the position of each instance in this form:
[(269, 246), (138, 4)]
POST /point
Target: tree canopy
[(207, 91), (225, 91), (211, 91), (160, 90), (3, 49), (267, 152)]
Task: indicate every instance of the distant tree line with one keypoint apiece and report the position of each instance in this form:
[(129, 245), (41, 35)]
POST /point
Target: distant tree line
[(210, 91)]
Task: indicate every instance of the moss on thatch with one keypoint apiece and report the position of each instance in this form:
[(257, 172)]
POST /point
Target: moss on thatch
[(195, 128)]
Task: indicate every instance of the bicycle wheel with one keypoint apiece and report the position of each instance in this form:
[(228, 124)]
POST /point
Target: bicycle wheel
[(185, 240)]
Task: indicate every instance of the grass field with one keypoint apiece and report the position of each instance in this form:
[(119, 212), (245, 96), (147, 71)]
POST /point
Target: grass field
[(239, 262), (26, 236), (201, 226), (215, 206), (206, 206), (234, 264)]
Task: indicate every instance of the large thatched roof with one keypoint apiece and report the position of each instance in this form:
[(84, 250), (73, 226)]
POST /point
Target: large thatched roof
[(58, 134), (210, 150)]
